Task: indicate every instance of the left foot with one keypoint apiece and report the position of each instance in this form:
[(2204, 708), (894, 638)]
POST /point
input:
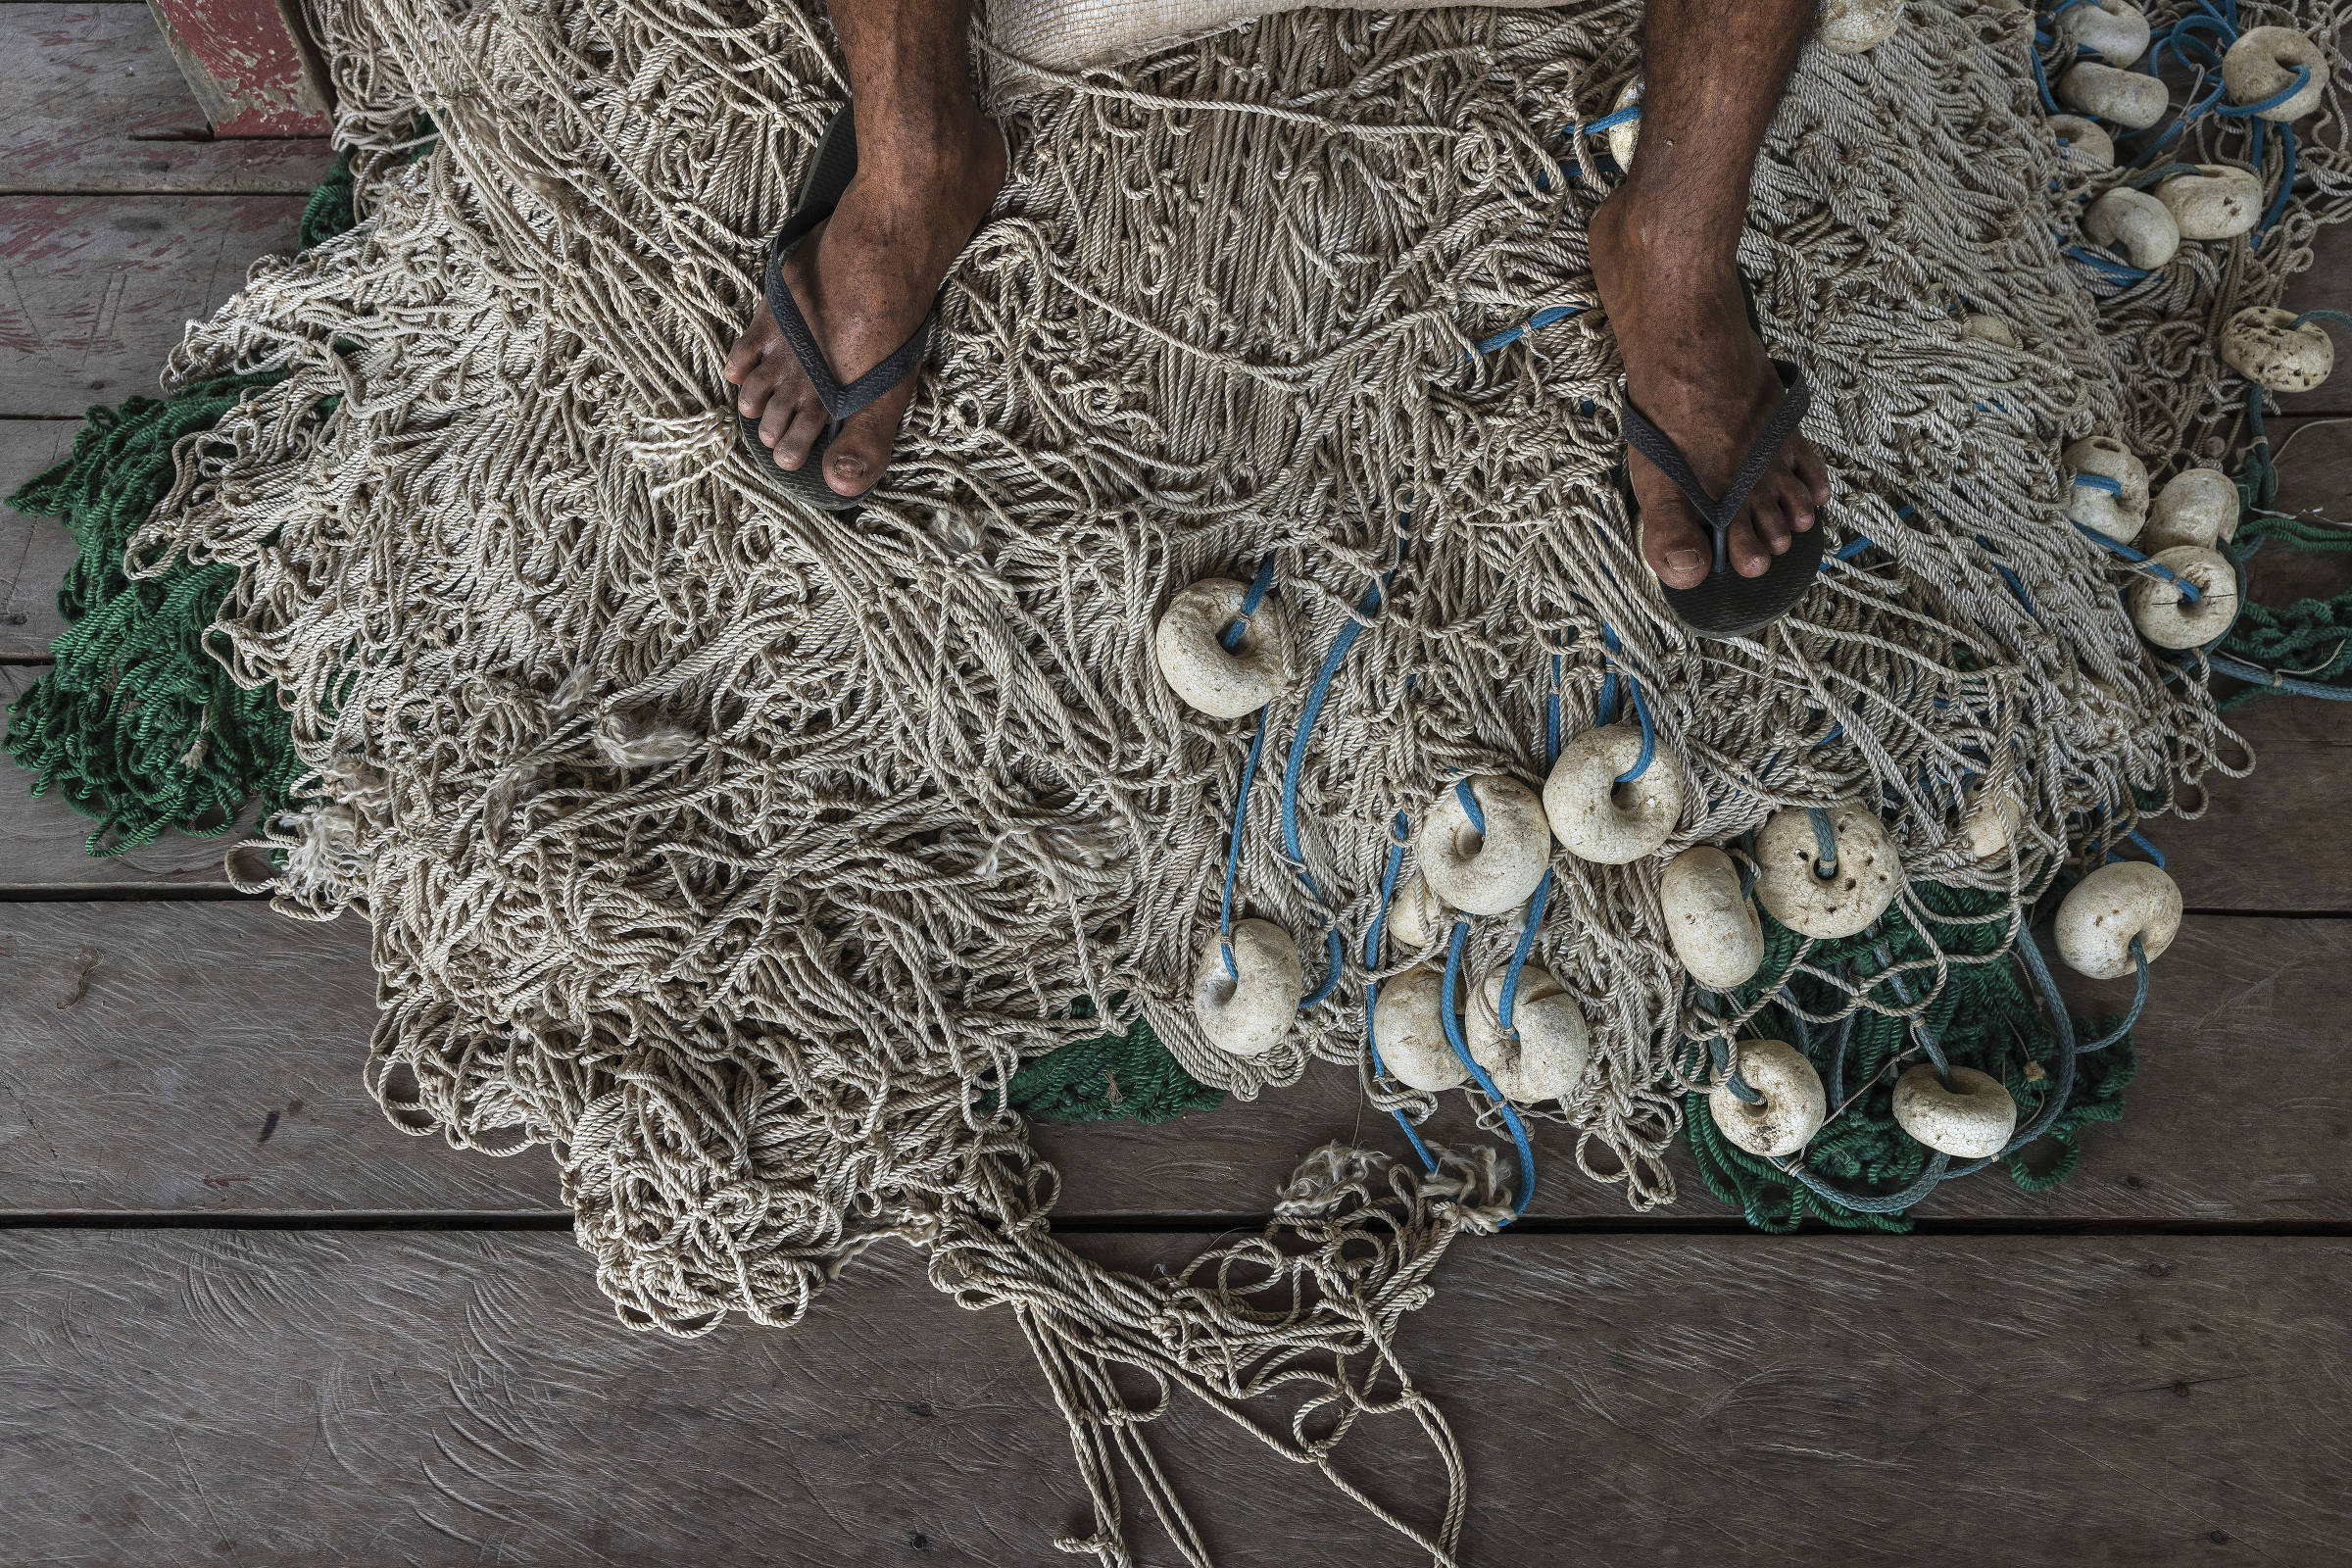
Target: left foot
[(864, 280), (1695, 366)]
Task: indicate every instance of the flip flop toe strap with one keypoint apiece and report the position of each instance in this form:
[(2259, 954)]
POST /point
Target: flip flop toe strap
[(840, 401), (1718, 514)]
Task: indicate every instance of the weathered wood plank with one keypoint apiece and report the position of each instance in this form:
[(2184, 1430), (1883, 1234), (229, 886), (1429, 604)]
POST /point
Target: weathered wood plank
[(246, 66), (286, 1397), (96, 291), (91, 100), (206, 1057), (34, 552), (2237, 1116)]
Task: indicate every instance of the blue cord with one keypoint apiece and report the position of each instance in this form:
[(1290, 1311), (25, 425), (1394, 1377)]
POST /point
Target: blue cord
[(1295, 763), (1233, 847), (1250, 603), (1400, 834), (1461, 1050)]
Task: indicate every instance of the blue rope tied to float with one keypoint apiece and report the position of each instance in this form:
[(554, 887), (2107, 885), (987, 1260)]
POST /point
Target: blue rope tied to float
[(1449, 1010), (1825, 843), (2135, 836), (2139, 997), (1607, 122), (2142, 561), (1607, 710), (2255, 675), (1469, 803), (1534, 324), (1233, 848), (1543, 893), (1250, 603), (1719, 1049), (2339, 318), (2241, 111), (1400, 835), (1295, 763)]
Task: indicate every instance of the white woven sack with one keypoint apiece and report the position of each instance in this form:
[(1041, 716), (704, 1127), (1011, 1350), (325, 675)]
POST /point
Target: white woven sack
[(1081, 35)]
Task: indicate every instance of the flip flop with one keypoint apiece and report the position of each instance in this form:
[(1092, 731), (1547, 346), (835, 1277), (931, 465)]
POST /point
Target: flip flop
[(1726, 604), (829, 175)]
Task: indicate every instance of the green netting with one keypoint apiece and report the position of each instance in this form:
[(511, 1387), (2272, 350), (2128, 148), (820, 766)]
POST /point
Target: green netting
[(135, 726), (329, 210), (2309, 640), (1985, 1017), (1129, 1076)]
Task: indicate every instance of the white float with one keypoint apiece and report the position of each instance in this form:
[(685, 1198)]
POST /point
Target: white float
[(2113, 31), (1856, 27), (2263, 344), (2136, 225), (2219, 201), (1868, 874), (1488, 872), (1793, 1106), (2169, 617), (2262, 63), (2087, 149), (1415, 917), (2125, 97), (1409, 1029), (1991, 822), (2196, 507), (2120, 516), (1988, 329), (1245, 1011), (1624, 138), (1190, 648), (1710, 922), (1546, 1058), (1599, 819), (2102, 915), (1974, 1119)]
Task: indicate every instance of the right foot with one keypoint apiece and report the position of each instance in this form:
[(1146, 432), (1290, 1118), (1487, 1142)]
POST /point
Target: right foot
[(864, 280), (1697, 368)]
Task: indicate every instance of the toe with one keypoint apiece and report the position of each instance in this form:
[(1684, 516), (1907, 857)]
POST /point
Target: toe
[(1808, 468), (1796, 500), (747, 349), (757, 390), (1751, 557), (1673, 543), (1768, 518), (797, 429), (860, 450)]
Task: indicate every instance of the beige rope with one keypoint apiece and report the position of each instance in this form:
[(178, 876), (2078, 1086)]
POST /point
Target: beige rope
[(738, 854)]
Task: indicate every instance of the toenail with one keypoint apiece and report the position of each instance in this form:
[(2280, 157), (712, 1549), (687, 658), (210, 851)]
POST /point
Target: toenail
[(1685, 560)]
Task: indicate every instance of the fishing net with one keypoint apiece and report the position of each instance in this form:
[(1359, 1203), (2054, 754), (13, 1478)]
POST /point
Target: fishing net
[(765, 864)]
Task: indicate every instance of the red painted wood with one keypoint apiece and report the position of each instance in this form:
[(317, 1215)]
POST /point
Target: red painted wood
[(247, 65)]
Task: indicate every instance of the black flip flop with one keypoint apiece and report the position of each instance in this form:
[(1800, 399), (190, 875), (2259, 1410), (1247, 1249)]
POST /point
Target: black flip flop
[(1726, 604), (829, 175)]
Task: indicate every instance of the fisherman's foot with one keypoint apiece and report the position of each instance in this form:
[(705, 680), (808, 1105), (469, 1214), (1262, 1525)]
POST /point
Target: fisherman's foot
[(864, 280), (1696, 367)]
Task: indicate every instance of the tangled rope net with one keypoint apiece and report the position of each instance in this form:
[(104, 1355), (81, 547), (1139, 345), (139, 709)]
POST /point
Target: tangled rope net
[(748, 858)]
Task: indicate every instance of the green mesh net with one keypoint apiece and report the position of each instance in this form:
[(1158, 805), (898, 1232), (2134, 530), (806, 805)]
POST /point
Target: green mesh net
[(136, 726), (1128, 1076), (1985, 1018)]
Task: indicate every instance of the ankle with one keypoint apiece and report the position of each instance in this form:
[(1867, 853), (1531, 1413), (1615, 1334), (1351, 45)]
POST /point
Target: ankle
[(940, 146)]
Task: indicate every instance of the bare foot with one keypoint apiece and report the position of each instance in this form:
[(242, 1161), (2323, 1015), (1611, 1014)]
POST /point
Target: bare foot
[(864, 280), (1693, 365)]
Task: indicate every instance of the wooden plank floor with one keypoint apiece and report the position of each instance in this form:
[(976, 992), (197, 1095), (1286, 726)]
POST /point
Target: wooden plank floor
[(244, 1319)]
